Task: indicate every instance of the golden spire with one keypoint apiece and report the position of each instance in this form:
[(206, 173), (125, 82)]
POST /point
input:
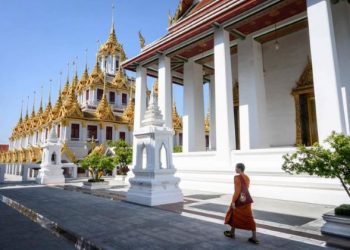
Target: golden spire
[(177, 121), (33, 110), (41, 102), (27, 116), (128, 114), (103, 110), (20, 118), (120, 81)]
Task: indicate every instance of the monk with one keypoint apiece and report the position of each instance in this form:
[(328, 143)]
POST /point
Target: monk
[(242, 216)]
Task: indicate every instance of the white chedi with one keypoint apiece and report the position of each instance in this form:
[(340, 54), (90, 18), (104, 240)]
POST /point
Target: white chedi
[(154, 182), (51, 171)]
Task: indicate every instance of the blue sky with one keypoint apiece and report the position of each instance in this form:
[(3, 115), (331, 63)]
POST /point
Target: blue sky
[(39, 38)]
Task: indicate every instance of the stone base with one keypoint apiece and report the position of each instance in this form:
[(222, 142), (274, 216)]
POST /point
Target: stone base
[(154, 188), (50, 175), (120, 177), (95, 185), (337, 230)]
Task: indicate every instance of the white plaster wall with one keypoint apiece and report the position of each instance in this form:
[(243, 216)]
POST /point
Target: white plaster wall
[(282, 68)]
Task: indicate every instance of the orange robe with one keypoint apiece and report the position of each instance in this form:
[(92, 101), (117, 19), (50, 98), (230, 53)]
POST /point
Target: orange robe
[(242, 216)]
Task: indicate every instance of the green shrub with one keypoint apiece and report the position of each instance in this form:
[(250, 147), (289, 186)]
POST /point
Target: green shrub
[(177, 149), (343, 209)]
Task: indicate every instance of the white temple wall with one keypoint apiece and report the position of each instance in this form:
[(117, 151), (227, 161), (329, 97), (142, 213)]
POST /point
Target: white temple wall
[(282, 68)]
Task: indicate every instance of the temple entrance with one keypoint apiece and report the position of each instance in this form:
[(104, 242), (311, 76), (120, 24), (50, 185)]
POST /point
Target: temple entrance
[(305, 109)]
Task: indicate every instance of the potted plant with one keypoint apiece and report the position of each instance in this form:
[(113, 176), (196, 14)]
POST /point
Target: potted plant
[(122, 158), (96, 163), (331, 160)]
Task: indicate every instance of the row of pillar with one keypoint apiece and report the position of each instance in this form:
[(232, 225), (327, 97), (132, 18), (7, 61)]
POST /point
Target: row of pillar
[(331, 83)]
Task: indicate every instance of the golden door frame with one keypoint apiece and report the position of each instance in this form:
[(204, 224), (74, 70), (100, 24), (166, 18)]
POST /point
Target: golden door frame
[(305, 88)]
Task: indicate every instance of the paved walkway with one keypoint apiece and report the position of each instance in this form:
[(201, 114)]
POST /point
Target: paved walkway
[(112, 224)]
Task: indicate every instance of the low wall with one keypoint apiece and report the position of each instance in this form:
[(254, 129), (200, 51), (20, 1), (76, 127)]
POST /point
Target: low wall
[(198, 171)]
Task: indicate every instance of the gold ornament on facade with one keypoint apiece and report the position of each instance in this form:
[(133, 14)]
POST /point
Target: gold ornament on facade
[(101, 149), (71, 107), (112, 47), (96, 78), (155, 87)]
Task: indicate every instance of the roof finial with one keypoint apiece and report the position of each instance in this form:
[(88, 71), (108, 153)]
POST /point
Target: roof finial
[(67, 73), (20, 119), (86, 51), (27, 107), (49, 102), (41, 100), (60, 79), (142, 40), (76, 65), (98, 47), (33, 111), (112, 28)]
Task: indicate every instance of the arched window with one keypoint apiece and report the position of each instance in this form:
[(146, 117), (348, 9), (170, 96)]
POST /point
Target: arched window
[(144, 157), (53, 158), (163, 157)]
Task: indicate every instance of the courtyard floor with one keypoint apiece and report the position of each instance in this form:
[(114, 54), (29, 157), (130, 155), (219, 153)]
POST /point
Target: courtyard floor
[(66, 217)]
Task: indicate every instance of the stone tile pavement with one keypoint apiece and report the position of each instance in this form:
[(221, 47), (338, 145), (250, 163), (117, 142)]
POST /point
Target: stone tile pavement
[(113, 224)]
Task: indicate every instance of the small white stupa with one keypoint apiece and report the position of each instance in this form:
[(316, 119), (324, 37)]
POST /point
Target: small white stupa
[(154, 182), (51, 171)]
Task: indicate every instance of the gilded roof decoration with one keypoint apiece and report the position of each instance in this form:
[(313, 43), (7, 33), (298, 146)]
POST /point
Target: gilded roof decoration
[(66, 151), (71, 107), (101, 149), (112, 46), (182, 7), (96, 77), (120, 81), (306, 78), (177, 120), (83, 81), (104, 111), (128, 114)]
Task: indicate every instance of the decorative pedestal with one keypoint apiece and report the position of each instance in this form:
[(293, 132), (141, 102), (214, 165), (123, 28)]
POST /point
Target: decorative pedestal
[(154, 182), (337, 230), (51, 171)]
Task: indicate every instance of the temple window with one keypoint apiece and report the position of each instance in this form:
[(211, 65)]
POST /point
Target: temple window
[(124, 99), (111, 97), (92, 131), (180, 139), (53, 158), (99, 94), (122, 136), (74, 135), (116, 64), (109, 133), (87, 95), (59, 130)]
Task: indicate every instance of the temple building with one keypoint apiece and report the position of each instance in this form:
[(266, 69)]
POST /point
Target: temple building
[(278, 77), (89, 111)]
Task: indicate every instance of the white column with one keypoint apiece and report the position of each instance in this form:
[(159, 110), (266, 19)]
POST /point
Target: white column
[(252, 96), (165, 89), (2, 172), (212, 121), (341, 21), (140, 96), (193, 117), (326, 77), (225, 127)]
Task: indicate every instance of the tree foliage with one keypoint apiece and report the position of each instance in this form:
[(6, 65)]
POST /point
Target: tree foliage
[(97, 163), (331, 160), (123, 156)]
